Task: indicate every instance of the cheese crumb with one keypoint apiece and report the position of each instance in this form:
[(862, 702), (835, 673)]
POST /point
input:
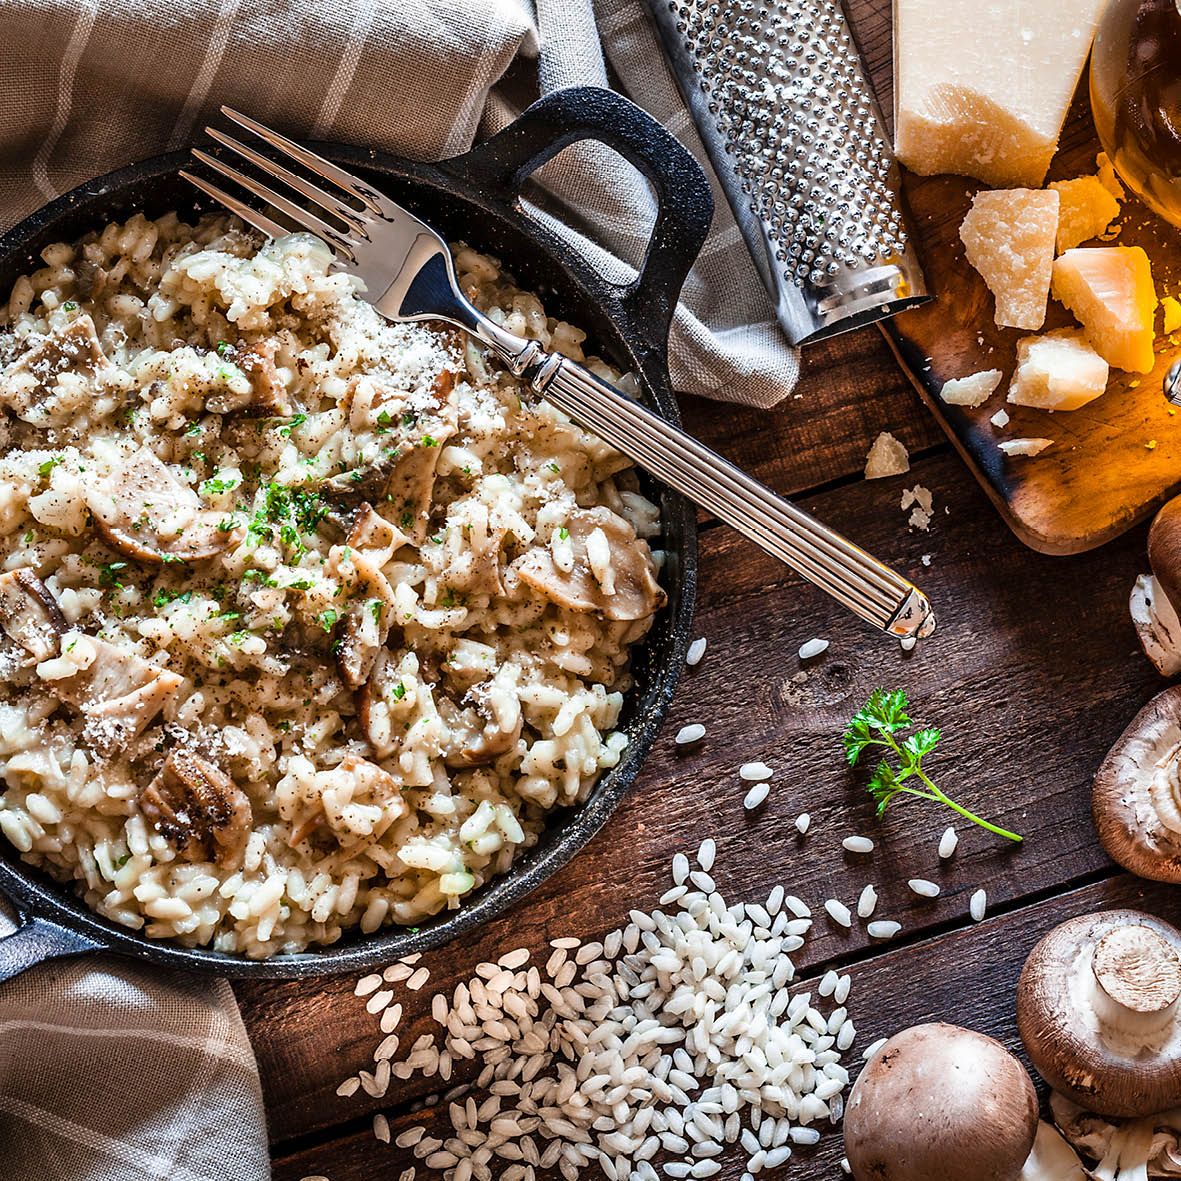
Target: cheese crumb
[(1028, 447), (1172, 311), (1000, 419), (1107, 176), (887, 457), (971, 391), (923, 503)]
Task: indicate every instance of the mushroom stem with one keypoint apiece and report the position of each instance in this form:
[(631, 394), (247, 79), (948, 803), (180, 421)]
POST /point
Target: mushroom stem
[(1137, 977), (1128, 1153)]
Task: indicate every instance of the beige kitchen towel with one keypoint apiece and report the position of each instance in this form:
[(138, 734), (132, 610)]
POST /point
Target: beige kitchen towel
[(111, 1071), (92, 84)]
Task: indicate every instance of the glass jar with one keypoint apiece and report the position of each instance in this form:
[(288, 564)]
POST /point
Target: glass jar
[(1136, 98)]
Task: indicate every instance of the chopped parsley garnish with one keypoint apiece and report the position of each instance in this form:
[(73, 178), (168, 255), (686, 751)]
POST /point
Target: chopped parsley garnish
[(296, 420), (399, 691), (428, 441), (108, 575), (260, 576), (69, 306), (553, 467), (375, 609), (122, 861), (301, 584), (43, 469), (409, 418), (217, 485), (224, 347), (193, 429), (383, 418), (564, 533), (164, 596), (328, 619)]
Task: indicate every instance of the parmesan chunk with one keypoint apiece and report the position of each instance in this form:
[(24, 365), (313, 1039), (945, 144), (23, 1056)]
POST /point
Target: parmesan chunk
[(1029, 447), (983, 89), (1009, 238), (1058, 371), (1000, 418), (887, 457), (1107, 176), (1109, 290), (1085, 210), (1172, 311), (971, 391)]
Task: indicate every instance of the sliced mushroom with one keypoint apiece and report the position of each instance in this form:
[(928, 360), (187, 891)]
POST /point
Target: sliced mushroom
[(371, 542), (1097, 1007), (142, 510), (355, 801), (633, 593), (1136, 795), (117, 692), (483, 730), (400, 482), (940, 1103), (268, 396), (29, 614), (198, 809), (1126, 1150), (28, 387)]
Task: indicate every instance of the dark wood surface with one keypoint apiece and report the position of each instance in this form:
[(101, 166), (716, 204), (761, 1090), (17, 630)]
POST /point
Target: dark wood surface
[(1034, 671), (1100, 477)]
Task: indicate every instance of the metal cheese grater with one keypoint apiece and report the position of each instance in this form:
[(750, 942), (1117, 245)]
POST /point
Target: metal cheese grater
[(796, 138)]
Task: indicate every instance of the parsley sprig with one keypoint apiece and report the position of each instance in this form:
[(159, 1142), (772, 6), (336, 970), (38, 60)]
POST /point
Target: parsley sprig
[(880, 723)]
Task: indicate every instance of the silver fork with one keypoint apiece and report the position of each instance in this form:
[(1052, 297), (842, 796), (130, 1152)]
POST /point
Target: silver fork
[(408, 275)]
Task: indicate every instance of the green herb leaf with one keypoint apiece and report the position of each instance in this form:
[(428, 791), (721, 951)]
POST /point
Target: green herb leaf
[(399, 691), (43, 469), (328, 618), (879, 723), (108, 575)]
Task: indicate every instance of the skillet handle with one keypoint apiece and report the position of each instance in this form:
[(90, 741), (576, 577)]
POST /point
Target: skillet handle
[(37, 940), (501, 165)]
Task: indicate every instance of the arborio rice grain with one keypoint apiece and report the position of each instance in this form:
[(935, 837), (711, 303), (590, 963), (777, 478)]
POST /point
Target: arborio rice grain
[(309, 619)]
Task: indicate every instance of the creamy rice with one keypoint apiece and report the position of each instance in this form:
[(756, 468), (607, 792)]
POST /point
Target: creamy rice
[(308, 619)]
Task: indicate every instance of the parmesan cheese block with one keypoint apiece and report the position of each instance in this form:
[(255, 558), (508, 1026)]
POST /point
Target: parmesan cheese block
[(1009, 238), (982, 89), (1057, 371), (1109, 289)]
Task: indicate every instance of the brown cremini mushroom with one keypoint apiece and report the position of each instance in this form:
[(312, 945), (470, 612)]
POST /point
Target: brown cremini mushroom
[(937, 1103), (1097, 1006), (1156, 597), (1136, 795)]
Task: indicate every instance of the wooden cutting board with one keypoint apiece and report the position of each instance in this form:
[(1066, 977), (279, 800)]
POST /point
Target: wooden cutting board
[(1113, 462)]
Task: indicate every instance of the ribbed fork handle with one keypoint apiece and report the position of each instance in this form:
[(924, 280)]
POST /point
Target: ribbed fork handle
[(825, 558)]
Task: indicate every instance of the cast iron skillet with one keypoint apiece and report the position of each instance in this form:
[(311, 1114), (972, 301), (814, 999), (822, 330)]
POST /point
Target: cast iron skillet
[(476, 197)]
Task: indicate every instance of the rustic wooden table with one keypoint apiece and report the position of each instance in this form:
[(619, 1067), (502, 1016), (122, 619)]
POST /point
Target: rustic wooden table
[(1034, 671)]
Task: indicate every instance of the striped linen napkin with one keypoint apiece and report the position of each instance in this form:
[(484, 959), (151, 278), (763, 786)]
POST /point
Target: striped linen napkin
[(110, 1071)]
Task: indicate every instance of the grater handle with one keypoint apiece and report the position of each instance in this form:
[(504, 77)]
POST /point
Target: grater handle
[(500, 166), (843, 570)]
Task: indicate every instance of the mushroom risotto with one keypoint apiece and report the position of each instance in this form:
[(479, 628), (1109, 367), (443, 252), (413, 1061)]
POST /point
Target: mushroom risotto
[(308, 619)]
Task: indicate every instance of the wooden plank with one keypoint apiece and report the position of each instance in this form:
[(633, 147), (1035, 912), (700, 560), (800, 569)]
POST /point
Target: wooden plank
[(1032, 674), (967, 977), (850, 389)]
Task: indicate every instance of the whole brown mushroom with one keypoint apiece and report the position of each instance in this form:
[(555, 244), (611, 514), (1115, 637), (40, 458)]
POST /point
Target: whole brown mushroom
[(939, 1102), (1097, 1007), (1136, 795), (1156, 597)]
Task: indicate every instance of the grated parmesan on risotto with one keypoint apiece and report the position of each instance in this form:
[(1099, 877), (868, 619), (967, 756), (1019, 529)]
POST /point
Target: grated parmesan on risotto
[(308, 619)]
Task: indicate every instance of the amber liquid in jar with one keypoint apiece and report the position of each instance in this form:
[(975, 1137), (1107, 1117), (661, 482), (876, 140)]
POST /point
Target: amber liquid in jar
[(1136, 98)]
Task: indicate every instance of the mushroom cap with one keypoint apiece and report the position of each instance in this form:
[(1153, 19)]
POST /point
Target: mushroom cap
[(1136, 795), (1164, 549), (1098, 1065), (940, 1102)]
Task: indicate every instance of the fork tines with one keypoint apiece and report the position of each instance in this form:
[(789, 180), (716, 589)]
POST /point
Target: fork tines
[(353, 220)]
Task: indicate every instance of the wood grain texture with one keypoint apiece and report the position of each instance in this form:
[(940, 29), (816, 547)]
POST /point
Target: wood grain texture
[(1033, 673), (967, 977), (1100, 477)]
